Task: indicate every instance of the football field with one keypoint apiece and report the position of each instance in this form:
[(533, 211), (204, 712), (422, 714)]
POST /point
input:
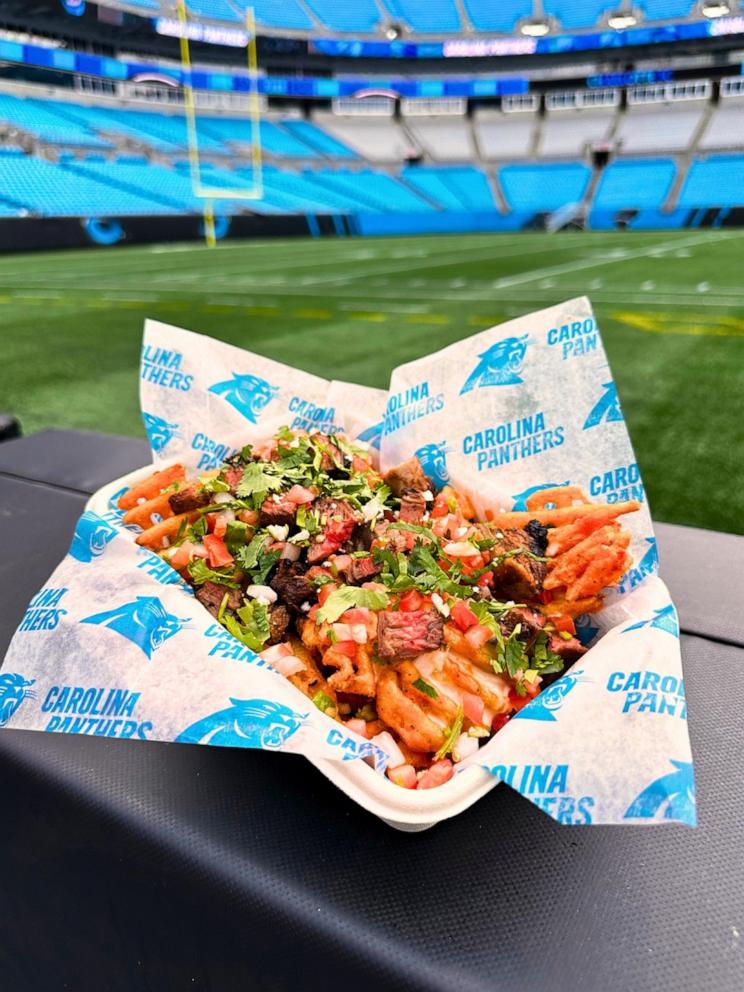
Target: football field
[(670, 307)]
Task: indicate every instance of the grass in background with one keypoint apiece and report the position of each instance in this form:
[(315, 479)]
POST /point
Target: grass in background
[(670, 307)]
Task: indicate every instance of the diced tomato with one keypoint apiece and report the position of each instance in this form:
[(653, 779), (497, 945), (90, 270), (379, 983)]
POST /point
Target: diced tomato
[(463, 616), (486, 580), (357, 726), (220, 525), (345, 647), (517, 701), (219, 556), (499, 721), (311, 613), (410, 601), (325, 591), (359, 464), (182, 556), (472, 707), (248, 516), (403, 775), (440, 508), (472, 564), (565, 623), (357, 614), (299, 495), (532, 688), (478, 636), (439, 773), (211, 520)]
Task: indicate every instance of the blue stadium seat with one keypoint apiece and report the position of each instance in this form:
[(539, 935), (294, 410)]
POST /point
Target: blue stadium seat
[(663, 10), (216, 10), (346, 15), (459, 188), (634, 183), (40, 118), (426, 16), (577, 13), (318, 139), (373, 190), (485, 15), (278, 13), (541, 188), (717, 181)]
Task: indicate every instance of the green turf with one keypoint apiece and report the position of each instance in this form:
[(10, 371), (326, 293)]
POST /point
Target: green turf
[(670, 305)]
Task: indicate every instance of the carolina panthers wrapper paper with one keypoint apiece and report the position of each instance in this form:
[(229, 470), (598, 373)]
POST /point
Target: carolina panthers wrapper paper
[(116, 645)]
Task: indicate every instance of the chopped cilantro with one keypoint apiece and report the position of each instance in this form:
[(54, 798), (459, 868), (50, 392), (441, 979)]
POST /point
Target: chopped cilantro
[(511, 655), (235, 536), (345, 598), (545, 661), (424, 687), (223, 607), (256, 479), (216, 485), (450, 735), (252, 628), (255, 560), (200, 572)]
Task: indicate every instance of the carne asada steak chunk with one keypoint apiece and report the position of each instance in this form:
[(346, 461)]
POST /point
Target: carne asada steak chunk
[(211, 595), (569, 650), (412, 506), (530, 621), (519, 577), (291, 585), (408, 475), (407, 635), (277, 509), (278, 623), (190, 498), (338, 520), (362, 570), (539, 534)]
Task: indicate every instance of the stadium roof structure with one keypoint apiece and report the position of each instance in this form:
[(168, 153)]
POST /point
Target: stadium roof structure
[(441, 19)]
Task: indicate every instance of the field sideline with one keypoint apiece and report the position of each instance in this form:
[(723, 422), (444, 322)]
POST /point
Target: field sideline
[(670, 307)]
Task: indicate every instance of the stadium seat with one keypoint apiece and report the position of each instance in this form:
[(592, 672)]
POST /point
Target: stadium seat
[(39, 118), (717, 181), (659, 127), (216, 10), (316, 138), (445, 138), (634, 183), (277, 13), (726, 126), (346, 15), (541, 187), (663, 10), (577, 13), (378, 139), (453, 188), (568, 132), (503, 136), (485, 15), (426, 16), (373, 190)]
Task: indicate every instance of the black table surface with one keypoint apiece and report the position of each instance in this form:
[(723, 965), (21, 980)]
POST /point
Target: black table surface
[(168, 867)]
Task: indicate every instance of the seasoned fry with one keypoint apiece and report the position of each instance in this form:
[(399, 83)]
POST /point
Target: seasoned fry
[(604, 571), (562, 539), (574, 563), (559, 496), (142, 513), (562, 514), (153, 536), (151, 486)]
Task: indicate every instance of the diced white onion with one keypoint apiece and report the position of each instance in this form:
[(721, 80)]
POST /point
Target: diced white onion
[(461, 549), (275, 652), (223, 498), (290, 552), (386, 743), (464, 747), (290, 665), (356, 632), (264, 594), (305, 607), (372, 510), (299, 537), (278, 531), (440, 605), (428, 495)]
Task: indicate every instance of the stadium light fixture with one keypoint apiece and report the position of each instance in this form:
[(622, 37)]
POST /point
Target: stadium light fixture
[(535, 28), (717, 8), (620, 20)]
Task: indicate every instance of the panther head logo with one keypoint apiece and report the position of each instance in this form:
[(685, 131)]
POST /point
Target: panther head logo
[(520, 499), (373, 435), (159, 431), (249, 394), (91, 536), (246, 723), (546, 703), (606, 409), (664, 619), (499, 365), (433, 458), (13, 690), (145, 622), (670, 797)]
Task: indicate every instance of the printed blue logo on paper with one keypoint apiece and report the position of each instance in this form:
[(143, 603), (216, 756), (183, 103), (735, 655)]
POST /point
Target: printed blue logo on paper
[(145, 622), (520, 499), (664, 619), (648, 565), (607, 408), (670, 797), (13, 690), (433, 458), (373, 435), (246, 723), (586, 631), (499, 365), (159, 431), (249, 394), (92, 534), (545, 705)]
